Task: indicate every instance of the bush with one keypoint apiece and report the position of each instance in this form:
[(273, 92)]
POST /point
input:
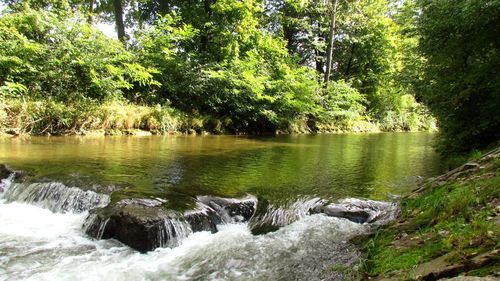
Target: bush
[(46, 55)]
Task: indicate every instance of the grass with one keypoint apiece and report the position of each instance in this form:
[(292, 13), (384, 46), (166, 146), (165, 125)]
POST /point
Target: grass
[(49, 117), (456, 219)]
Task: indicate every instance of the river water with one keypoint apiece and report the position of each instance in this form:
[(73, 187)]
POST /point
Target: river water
[(41, 244)]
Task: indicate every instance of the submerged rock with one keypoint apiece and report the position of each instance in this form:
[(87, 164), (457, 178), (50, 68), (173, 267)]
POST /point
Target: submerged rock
[(145, 224)]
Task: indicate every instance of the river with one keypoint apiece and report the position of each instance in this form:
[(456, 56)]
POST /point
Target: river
[(39, 244)]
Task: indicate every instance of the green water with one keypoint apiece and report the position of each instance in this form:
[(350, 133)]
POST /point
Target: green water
[(283, 167)]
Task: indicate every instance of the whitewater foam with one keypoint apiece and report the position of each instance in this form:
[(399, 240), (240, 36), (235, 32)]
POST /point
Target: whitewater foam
[(37, 244)]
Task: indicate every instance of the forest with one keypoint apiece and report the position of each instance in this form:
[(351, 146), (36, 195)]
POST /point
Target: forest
[(252, 67), (249, 139)]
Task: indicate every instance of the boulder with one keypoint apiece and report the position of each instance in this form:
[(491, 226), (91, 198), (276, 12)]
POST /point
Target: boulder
[(146, 224)]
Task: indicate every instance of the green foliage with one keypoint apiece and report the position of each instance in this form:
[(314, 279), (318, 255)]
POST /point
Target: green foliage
[(44, 56), (231, 66), (245, 74), (461, 83)]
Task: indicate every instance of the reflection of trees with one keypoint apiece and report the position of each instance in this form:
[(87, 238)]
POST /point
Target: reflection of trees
[(330, 166)]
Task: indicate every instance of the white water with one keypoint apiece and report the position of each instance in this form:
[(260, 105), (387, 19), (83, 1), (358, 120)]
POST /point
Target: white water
[(36, 244), (54, 196)]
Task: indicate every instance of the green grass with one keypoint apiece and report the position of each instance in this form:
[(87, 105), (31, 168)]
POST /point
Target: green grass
[(454, 219)]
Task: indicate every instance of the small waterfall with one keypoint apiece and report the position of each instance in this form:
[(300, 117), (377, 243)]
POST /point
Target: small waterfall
[(6, 183), (93, 222), (270, 217), (172, 231), (229, 210), (55, 196)]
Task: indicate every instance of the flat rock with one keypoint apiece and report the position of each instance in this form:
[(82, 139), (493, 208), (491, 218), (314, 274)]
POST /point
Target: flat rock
[(362, 211)]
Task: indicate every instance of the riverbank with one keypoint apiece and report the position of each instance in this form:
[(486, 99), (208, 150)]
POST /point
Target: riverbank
[(448, 227), (48, 117)]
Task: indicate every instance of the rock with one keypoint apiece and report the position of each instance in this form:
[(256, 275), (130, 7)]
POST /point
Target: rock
[(362, 211), (5, 172), (145, 224), (445, 266), (340, 211), (471, 278)]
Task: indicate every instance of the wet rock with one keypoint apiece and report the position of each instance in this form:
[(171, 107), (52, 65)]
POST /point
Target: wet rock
[(239, 210), (362, 211), (5, 172), (145, 224), (341, 211), (141, 226)]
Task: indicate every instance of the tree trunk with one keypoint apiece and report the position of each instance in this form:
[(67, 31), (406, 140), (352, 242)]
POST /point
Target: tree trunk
[(331, 37), (90, 18), (318, 53), (289, 37), (119, 24), (349, 63), (204, 38)]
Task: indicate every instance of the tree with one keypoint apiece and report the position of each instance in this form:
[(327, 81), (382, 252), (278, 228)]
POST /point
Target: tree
[(65, 60), (461, 85), (119, 24), (331, 40)]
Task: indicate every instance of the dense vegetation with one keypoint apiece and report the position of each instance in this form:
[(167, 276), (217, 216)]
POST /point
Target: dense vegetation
[(460, 82), (220, 66), (256, 66)]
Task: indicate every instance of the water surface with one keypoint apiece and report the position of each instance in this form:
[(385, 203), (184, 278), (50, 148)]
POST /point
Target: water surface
[(37, 244), (329, 166)]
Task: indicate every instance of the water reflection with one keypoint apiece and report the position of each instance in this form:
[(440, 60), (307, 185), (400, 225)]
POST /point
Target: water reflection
[(330, 166)]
